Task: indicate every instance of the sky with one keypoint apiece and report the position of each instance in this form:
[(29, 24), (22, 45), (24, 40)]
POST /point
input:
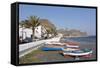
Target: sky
[(83, 19)]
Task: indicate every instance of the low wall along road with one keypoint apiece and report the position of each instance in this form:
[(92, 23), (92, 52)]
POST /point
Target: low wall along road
[(28, 47)]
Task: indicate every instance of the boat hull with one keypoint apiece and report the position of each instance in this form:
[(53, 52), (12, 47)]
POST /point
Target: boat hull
[(51, 49), (77, 53)]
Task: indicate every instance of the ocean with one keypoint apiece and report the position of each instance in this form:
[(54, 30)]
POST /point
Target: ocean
[(85, 42), (89, 39)]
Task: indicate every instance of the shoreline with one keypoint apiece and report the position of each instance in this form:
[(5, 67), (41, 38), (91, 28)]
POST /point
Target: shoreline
[(50, 56), (38, 56), (78, 36)]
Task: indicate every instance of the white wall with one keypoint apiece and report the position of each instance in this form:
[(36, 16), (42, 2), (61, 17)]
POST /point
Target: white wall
[(5, 34), (27, 32), (37, 32)]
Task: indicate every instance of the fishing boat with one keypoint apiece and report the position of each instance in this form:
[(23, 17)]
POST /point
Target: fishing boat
[(55, 48), (79, 53), (72, 43), (72, 46), (58, 49), (70, 49), (82, 52), (62, 44), (55, 43), (51, 49)]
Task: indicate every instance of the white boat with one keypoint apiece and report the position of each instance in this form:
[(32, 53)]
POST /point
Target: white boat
[(62, 44), (70, 49), (55, 43), (78, 52), (72, 46)]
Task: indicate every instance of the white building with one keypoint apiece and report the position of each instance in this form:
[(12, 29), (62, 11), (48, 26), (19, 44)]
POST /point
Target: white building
[(25, 32), (40, 32)]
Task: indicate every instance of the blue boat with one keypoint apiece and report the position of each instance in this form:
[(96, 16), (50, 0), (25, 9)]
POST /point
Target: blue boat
[(51, 49)]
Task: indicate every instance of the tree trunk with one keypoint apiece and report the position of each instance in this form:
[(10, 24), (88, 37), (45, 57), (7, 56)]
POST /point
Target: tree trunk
[(33, 33)]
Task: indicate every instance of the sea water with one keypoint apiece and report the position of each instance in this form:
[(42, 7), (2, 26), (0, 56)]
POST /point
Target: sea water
[(88, 42), (88, 39)]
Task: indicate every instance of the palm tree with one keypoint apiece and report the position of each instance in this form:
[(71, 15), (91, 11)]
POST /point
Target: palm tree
[(27, 24), (34, 22)]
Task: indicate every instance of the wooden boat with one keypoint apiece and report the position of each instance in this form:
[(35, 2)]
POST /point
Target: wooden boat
[(82, 52), (55, 48), (51, 49), (55, 43), (58, 49), (62, 44), (70, 49), (72, 43), (71, 46)]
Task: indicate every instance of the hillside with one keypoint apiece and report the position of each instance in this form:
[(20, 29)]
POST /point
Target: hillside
[(50, 27), (72, 32)]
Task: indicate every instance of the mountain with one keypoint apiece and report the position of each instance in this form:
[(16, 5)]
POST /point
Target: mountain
[(72, 32), (49, 26)]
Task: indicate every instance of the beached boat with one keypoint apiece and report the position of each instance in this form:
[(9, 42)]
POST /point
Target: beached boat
[(55, 47), (71, 46), (63, 44), (70, 49), (51, 49), (55, 43), (82, 52), (72, 43), (58, 49)]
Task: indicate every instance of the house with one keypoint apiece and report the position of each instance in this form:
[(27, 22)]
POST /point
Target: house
[(25, 34), (40, 32)]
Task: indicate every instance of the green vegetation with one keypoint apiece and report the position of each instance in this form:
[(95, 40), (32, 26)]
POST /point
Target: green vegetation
[(34, 22)]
